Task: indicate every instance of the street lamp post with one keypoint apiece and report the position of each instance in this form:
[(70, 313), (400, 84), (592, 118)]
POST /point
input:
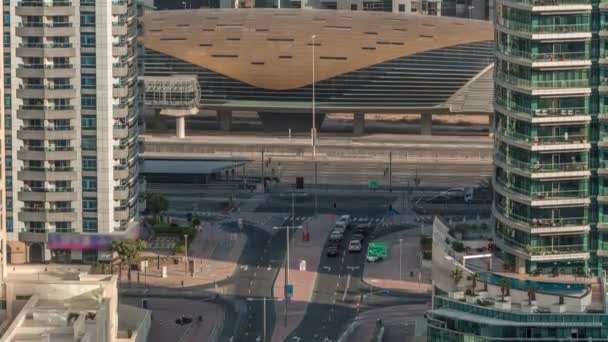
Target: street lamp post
[(400, 259), (264, 300), (314, 125), (186, 252)]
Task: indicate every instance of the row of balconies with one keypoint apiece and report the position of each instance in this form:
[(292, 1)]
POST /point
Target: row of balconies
[(541, 197), (28, 112), (532, 142), (62, 215), (542, 253), (49, 91), (46, 153), (46, 133), (542, 28), (48, 50), (536, 224), (536, 169), (46, 30), (46, 71), (542, 115), (44, 8), (532, 86), (539, 59), (548, 5)]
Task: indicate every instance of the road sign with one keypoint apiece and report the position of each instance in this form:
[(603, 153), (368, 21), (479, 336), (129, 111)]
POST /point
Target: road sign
[(376, 250), (372, 184), (289, 290)]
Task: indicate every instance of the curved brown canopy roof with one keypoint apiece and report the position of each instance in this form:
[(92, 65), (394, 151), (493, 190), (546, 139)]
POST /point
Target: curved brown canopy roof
[(271, 48)]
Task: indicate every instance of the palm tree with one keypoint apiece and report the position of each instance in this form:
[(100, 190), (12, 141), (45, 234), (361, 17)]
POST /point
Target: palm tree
[(456, 276), (127, 250), (474, 279), (505, 289)]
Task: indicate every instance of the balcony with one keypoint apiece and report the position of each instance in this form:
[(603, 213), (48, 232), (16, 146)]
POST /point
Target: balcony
[(121, 131), (540, 225), (542, 253), (47, 194), (121, 213), (535, 198), (121, 193), (46, 133), (119, 29), (47, 215), (49, 50), (46, 153), (45, 30), (120, 112), (121, 152), (120, 90), (551, 87), (120, 69), (44, 8), (33, 235), (537, 169), (555, 59), (50, 91), (46, 71), (550, 5), (47, 174), (542, 115), (536, 32), (565, 142), (119, 49), (119, 7), (30, 112), (121, 172)]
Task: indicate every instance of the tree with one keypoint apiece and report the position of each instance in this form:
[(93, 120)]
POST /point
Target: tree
[(474, 280), (456, 276), (127, 250), (505, 289), (156, 203), (196, 221)]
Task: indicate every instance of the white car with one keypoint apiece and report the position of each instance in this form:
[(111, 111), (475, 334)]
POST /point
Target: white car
[(340, 230), (343, 221), (354, 246)]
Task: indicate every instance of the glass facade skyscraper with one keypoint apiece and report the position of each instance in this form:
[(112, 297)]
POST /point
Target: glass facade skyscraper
[(550, 177)]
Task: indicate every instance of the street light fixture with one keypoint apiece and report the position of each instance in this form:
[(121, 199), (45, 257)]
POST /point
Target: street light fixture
[(186, 253), (264, 299), (314, 126)]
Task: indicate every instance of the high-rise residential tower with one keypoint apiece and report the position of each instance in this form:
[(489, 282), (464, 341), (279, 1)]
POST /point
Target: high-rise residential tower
[(71, 113), (550, 175)]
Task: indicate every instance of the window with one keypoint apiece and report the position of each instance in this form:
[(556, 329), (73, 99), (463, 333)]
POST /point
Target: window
[(89, 204), (8, 122), (89, 144), (8, 141), (87, 61), (401, 7), (7, 18), (9, 183), (88, 101), (8, 161), (7, 39), (353, 7), (7, 101), (89, 122), (89, 225), (89, 163), (87, 19), (9, 224), (87, 39), (88, 81), (89, 184), (23, 297)]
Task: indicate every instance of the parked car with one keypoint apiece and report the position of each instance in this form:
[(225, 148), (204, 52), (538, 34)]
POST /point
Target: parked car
[(354, 246), (332, 250)]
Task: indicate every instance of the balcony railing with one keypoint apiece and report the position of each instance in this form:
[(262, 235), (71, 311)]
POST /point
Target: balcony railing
[(48, 210), (44, 3), (556, 249), (541, 112), (563, 139), (47, 87), (46, 46), (542, 194), (533, 28), (46, 66), (47, 128), (549, 84), (539, 222), (47, 169), (539, 167), (544, 57), (551, 2), (29, 189), (48, 149), (41, 107)]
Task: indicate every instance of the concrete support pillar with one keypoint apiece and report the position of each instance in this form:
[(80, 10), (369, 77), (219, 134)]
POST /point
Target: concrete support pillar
[(491, 124), (426, 124), (180, 127), (224, 118), (359, 123), (520, 265)]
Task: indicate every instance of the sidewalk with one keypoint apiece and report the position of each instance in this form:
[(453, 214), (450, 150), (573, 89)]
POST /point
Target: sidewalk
[(385, 274), (215, 254), (303, 281)]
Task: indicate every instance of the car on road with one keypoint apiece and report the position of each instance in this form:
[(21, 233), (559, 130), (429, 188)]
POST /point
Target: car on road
[(354, 246), (358, 237), (343, 221), (363, 229), (336, 237), (341, 230), (332, 250)]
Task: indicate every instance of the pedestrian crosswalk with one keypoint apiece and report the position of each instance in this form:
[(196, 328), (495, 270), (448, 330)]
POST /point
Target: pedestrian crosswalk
[(354, 220)]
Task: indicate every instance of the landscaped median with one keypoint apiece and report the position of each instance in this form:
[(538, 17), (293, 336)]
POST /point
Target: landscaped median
[(177, 231)]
